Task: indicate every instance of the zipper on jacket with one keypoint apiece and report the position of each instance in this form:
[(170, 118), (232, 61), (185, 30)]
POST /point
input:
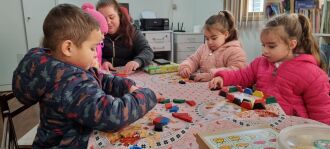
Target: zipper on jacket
[(113, 52), (276, 65)]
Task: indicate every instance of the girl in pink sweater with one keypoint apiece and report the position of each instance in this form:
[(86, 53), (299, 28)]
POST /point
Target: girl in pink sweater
[(290, 69), (221, 51)]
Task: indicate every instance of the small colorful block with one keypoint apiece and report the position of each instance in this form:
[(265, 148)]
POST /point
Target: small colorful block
[(258, 94), (223, 93), (239, 88), (158, 127), (191, 102), (165, 101), (161, 120), (168, 106), (174, 109), (232, 89), (248, 91), (135, 147), (183, 116), (179, 100), (230, 97), (246, 105), (182, 82), (271, 99)]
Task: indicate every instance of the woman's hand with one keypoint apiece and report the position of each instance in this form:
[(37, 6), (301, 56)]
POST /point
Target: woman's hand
[(108, 66), (185, 72), (216, 82), (131, 66)]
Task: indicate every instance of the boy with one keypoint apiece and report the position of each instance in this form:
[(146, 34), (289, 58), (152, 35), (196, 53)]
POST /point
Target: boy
[(75, 99)]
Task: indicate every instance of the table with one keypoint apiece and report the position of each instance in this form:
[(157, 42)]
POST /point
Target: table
[(211, 113)]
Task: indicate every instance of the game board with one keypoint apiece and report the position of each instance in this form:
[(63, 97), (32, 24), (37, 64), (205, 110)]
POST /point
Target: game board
[(211, 113), (247, 138)]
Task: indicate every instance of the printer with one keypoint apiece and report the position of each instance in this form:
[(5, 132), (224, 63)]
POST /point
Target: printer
[(154, 24)]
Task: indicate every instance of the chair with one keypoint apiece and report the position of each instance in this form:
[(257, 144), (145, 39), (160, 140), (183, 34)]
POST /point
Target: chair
[(9, 139)]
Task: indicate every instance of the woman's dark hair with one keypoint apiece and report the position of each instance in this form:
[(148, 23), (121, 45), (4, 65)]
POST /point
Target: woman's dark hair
[(126, 29)]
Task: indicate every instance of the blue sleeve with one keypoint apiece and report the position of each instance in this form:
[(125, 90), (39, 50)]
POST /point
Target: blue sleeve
[(94, 108)]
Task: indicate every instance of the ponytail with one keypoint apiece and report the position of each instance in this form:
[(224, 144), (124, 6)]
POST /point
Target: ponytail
[(223, 21), (308, 43), (233, 35)]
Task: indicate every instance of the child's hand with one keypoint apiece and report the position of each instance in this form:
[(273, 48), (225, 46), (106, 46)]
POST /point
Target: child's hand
[(160, 97), (108, 66), (203, 77), (185, 72), (216, 82), (96, 64), (133, 88)]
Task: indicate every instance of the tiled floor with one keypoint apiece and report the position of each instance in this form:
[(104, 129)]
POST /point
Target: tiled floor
[(24, 121)]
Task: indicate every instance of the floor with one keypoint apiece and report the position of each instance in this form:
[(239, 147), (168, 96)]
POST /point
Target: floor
[(24, 121)]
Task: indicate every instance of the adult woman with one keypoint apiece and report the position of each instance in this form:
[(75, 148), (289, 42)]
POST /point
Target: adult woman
[(123, 44)]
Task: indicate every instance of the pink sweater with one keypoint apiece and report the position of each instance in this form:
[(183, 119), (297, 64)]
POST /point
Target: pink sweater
[(299, 85), (229, 56)]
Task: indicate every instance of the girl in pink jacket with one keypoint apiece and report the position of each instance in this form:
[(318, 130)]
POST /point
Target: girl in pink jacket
[(221, 51), (100, 19), (290, 69)]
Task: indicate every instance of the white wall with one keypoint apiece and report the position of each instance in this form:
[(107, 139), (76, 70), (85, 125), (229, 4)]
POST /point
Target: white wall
[(12, 40)]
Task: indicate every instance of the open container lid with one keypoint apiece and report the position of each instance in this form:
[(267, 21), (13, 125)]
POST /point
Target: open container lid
[(304, 136)]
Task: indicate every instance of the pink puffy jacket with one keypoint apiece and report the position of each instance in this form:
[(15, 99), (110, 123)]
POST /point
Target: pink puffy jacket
[(299, 85), (228, 56)]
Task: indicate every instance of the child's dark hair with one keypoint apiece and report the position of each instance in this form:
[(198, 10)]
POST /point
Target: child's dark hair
[(125, 29), (67, 22), (297, 26), (223, 21)]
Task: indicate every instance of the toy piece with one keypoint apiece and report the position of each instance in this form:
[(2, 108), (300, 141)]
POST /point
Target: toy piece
[(191, 102), (237, 101), (135, 147), (179, 100), (248, 91), (271, 99), (174, 109), (232, 89), (246, 104), (258, 94), (223, 93), (239, 88), (158, 127), (230, 97), (192, 77), (215, 89), (183, 116), (182, 82), (161, 120), (168, 106), (165, 101), (259, 104)]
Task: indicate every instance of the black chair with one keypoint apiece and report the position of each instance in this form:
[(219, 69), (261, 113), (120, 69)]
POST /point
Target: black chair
[(9, 139)]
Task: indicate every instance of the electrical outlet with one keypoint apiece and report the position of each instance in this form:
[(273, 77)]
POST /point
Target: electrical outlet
[(174, 6)]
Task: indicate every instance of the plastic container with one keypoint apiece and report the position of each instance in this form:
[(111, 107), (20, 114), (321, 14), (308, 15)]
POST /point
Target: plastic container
[(303, 136)]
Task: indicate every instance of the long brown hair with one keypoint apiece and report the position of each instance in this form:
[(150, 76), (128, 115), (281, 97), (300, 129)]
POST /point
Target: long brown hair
[(297, 26), (67, 22), (126, 29), (223, 21)]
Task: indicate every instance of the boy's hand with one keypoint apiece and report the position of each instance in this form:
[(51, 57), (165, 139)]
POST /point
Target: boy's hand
[(133, 88), (216, 82), (159, 97), (185, 72), (108, 66)]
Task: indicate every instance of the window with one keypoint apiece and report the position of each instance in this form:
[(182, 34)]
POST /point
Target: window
[(256, 6)]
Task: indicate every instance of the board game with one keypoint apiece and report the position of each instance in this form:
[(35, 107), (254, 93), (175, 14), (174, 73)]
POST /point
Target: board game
[(210, 113), (248, 138)]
